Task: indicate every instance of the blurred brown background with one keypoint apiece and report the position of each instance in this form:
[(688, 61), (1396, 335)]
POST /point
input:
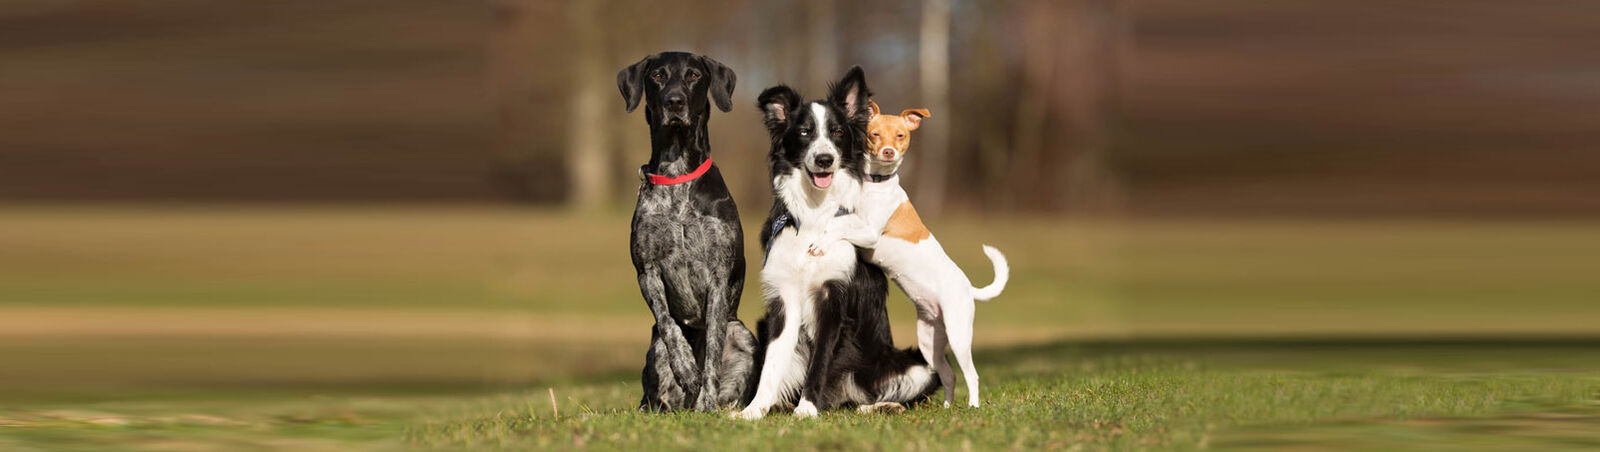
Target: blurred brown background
[(236, 207), (1473, 108)]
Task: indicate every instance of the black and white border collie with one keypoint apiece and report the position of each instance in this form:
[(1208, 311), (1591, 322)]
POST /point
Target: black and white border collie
[(826, 330)]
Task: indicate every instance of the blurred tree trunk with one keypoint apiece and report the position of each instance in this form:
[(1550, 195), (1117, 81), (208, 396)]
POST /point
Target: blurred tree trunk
[(1038, 71), (513, 84), (1089, 104), (1065, 105), (588, 150), (935, 145), (993, 84), (631, 146), (822, 15)]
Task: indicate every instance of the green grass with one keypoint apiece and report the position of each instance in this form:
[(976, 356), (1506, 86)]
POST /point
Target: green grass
[(1163, 394), (1118, 395), (305, 328)]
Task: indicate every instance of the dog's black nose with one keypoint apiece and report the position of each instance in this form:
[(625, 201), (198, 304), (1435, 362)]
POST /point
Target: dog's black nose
[(824, 160), (676, 102)]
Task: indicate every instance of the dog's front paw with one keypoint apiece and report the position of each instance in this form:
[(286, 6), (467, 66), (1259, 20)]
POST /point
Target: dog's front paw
[(814, 250), (749, 414), (707, 402), (805, 409), (883, 407)]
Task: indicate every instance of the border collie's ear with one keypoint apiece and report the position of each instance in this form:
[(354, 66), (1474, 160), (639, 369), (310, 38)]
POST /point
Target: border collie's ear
[(852, 95), (721, 87), (914, 116), (631, 82), (874, 105), (777, 106)]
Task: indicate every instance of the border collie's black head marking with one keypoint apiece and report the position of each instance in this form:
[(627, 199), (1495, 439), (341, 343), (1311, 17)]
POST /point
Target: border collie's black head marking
[(674, 86), (819, 137)]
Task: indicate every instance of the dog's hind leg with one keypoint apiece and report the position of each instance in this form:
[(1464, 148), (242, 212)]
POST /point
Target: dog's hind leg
[(716, 330), (908, 379), (931, 339), (738, 362), (661, 389), (675, 349), (958, 325), (820, 372)]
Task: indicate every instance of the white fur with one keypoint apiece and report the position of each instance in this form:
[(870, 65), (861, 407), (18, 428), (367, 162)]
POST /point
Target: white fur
[(821, 144), (796, 277), (941, 291), (881, 407), (805, 409), (853, 392), (906, 386)]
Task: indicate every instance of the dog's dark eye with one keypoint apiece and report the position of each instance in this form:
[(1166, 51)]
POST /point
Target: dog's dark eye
[(900, 135), (874, 134), (693, 76), (838, 133), (658, 76)]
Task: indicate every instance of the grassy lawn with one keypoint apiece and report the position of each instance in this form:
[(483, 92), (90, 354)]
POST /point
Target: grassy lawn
[(1181, 395), (1167, 394), (323, 328)]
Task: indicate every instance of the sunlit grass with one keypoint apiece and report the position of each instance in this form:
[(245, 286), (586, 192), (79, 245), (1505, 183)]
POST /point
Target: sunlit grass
[(324, 328), (1182, 396)]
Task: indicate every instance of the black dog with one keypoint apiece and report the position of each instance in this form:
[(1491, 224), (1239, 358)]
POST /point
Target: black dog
[(688, 249), (826, 331)]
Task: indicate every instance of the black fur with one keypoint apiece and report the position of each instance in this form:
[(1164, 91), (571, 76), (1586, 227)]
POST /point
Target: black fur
[(852, 343), (687, 246)]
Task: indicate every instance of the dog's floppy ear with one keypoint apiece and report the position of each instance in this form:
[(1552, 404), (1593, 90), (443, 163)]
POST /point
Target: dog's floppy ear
[(722, 80), (874, 105), (631, 82), (777, 106), (914, 116), (852, 96)]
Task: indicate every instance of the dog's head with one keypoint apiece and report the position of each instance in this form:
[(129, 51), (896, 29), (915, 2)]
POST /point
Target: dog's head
[(674, 86), (821, 137), (889, 136)]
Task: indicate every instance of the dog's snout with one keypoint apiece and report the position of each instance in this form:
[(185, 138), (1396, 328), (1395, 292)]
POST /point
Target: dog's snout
[(676, 101), (887, 153), (823, 160)]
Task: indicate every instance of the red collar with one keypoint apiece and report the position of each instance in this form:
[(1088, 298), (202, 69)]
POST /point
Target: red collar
[(656, 179)]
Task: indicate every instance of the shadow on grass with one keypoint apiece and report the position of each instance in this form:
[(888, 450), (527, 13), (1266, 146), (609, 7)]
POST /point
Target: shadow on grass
[(1426, 351)]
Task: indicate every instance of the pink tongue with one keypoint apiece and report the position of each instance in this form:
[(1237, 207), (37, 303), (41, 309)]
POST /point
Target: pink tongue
[(822, 181)]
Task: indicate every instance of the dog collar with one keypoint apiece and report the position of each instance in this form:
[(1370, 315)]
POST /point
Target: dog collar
[(657, 179), (881, 177)]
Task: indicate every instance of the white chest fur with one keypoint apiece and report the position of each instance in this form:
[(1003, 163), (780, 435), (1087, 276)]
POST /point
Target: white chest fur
[(789, 269)]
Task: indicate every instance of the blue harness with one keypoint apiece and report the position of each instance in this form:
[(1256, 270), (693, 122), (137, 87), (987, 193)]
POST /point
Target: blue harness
[(785, 220)]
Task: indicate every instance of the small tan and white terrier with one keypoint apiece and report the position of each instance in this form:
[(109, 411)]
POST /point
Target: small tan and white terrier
[(887, 228)]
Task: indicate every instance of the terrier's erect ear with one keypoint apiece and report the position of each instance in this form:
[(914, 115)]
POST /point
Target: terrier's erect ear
[(851, 95), (874, 105), (914, 116), (778, 105), (631, 82), (721, 87)]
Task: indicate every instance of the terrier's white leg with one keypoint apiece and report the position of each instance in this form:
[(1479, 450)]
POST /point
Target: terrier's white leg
[(931, 339), (958, 325)]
